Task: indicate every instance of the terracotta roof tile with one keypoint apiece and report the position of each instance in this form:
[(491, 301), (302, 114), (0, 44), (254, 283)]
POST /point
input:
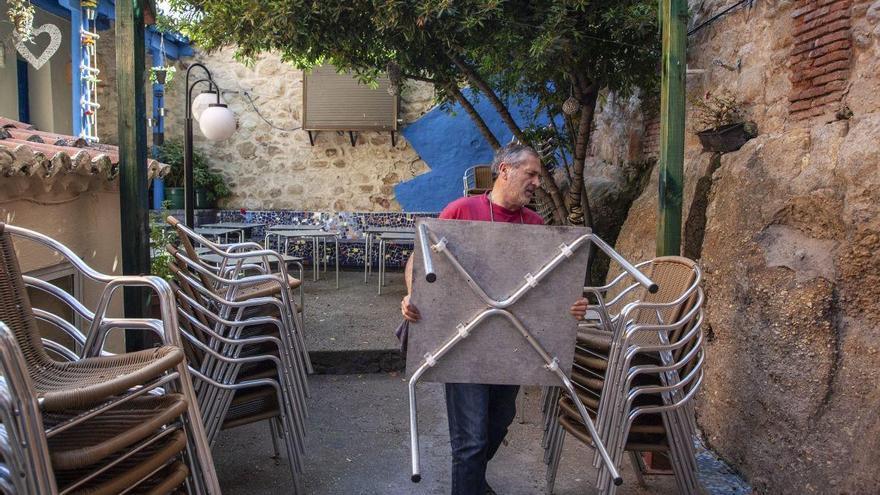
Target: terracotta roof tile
[(26, 151)]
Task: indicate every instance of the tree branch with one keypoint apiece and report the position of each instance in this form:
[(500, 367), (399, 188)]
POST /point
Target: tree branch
[(501, 108), (475, 116), (586, 94)]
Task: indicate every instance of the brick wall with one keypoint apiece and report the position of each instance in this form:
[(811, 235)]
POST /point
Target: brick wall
[(820, 57), (651, 137)]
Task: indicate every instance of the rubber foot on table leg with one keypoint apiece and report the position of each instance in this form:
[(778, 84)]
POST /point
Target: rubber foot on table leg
[(416, 478)]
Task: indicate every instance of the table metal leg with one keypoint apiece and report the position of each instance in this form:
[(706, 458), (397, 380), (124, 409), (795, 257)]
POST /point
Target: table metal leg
[(315, 261), (381, 262), (336, 248), (324, 252), (367, 260)]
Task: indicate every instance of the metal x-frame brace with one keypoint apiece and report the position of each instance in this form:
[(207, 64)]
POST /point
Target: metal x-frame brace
[(500, 308)]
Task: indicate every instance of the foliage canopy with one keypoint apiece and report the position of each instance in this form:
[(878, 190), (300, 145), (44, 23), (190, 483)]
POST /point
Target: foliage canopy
[(551, 51)]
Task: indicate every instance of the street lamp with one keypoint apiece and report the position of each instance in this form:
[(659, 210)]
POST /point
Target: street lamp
[(216, 122)]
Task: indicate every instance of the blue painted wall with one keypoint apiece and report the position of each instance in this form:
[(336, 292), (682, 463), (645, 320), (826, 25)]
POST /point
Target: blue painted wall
[(450, 143)]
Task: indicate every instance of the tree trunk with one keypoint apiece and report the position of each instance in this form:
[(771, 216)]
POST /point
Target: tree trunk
[(587, 95), (472, 112), (501, 108)]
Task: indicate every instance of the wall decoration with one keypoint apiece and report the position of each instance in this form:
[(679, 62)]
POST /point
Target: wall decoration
[(21, 14), (88, 73), (54, 42)]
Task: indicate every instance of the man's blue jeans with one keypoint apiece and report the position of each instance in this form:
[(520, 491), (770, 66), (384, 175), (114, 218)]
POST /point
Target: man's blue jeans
[(478, 419)]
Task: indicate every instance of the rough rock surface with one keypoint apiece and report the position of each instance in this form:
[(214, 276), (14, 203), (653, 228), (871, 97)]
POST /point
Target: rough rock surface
[(787, 230)]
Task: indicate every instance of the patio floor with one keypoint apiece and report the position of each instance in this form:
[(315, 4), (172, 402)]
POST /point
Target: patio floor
[(359, 429)]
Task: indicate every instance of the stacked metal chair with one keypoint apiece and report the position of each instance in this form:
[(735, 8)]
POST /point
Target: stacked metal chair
[(244, 343), (86, 421), (638, 364)]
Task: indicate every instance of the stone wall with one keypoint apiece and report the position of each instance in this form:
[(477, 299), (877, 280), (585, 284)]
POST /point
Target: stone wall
[(274, 169), (786, 230), (268, 168)]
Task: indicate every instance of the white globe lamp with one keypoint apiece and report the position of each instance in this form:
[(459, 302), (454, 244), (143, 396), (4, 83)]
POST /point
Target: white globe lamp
[(201, 103), (217, 122)]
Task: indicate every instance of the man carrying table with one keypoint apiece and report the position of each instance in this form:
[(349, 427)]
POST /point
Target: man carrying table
[(480, 414)]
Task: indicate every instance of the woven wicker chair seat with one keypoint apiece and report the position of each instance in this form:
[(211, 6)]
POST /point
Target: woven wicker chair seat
[(590, 400), (165, 481), (636, 443), (258, 372), (591, 362), (251, 406), (128, 472), (646, 424), (263, 289), (586, 380), (112, 431), (88, 382), (596, 340)]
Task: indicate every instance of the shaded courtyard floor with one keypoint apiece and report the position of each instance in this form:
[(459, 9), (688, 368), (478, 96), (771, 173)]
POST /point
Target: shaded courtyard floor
[(358, 441)]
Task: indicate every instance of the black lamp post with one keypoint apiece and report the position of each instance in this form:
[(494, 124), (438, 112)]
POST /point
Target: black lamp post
[(189, 196), (218, 124)]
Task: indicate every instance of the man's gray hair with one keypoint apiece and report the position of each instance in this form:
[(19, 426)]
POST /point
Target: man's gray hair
[(513, 154)]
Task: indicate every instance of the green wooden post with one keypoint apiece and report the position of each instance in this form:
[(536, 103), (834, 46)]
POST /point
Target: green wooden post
[(132, 154), (673, 19)]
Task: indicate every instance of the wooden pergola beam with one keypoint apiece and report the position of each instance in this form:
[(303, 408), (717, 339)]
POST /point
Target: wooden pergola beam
[(673, 21), (132, 152)]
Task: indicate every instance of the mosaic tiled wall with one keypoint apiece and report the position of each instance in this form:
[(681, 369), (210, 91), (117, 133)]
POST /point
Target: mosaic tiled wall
[(351, 225)]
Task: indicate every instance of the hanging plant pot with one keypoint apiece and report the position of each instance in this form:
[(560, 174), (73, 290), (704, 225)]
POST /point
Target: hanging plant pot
[(162, 74), (727, 138)]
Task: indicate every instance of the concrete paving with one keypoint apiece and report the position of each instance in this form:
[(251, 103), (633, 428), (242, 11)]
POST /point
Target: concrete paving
[(351, 329), (359, 444)]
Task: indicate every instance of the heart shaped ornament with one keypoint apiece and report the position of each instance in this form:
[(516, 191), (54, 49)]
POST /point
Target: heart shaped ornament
[(54, 42)]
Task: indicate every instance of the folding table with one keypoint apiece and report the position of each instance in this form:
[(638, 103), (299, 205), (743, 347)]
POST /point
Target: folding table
[(474, 282)]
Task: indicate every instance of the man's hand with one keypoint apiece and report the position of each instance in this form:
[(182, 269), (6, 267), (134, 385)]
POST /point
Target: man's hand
[(578, 309), (409, 311)]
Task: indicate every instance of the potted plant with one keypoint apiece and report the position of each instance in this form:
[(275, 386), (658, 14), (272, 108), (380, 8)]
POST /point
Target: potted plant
[(21, 13), (162, 74), (723, 126), (209, 185)]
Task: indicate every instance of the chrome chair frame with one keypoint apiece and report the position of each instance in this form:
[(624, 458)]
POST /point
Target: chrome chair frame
[(203, 474)]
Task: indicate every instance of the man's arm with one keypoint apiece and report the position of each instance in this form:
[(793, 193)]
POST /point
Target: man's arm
[(407, 273), (407, 309)]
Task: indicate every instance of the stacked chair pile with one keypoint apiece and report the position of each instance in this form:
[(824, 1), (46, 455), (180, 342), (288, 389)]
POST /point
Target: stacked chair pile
[(637, 366), (243, 338), (84, 420)]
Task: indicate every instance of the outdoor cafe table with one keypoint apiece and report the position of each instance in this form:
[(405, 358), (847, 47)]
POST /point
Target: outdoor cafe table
[(245, 227), (216, 233), (392, 237), (298, 226), (369, 236), (317, 236)]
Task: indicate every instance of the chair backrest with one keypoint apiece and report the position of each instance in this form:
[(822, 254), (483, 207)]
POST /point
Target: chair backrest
[(15, 305), (478, 179), (483, 177), (188, 247), (675, 276)]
